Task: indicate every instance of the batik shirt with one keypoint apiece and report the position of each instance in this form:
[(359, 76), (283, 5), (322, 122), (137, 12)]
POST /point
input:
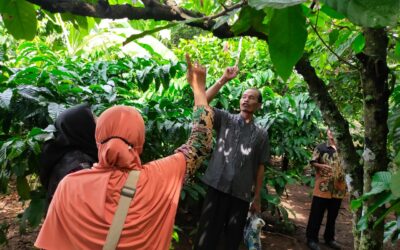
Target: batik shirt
[(328, 184)]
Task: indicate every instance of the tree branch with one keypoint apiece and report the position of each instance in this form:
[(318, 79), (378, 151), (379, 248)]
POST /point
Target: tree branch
[(327, 46), (154, 10), (333, 118)]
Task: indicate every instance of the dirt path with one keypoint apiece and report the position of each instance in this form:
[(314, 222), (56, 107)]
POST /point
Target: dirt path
[(298, 200)]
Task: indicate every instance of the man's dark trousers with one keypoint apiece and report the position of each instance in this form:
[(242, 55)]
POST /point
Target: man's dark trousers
[(221, 213), (318, 207)]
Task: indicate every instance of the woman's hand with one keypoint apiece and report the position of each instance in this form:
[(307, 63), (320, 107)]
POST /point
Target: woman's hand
[(196, 75)]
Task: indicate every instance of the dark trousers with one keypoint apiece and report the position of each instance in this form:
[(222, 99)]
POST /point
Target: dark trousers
[(318, 207), (221, 213)]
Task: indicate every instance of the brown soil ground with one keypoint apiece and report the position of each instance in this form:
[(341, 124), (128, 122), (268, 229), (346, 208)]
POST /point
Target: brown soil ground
[(298, 200)]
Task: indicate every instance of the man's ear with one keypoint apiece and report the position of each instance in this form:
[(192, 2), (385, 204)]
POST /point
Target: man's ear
[(258, 106)]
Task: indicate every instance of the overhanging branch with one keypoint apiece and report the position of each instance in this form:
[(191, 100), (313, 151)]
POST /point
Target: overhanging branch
[(153, 10)]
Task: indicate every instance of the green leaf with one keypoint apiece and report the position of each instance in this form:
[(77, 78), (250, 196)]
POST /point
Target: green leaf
[(381, 200), (19, 17), (358, 43), (272, 198), (362, 223), (4, 179), (34, 213), (355, 204), (368, 13), (77, 21), (333, 36), (145, 77), (331, 12), (5, 98), (16, 150), (397, 50), (278, 4), (23, 188), (35, 131), (3, 5), (395, 185), (382, 177), (55, 110), (224, 19), (393, 208), (248, 18), (288, 35), (3, 150)]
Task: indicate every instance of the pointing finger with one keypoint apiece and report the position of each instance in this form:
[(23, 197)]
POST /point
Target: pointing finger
[(188, 61)]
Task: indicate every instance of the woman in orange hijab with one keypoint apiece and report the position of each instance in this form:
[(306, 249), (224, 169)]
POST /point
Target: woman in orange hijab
[(85, 202)]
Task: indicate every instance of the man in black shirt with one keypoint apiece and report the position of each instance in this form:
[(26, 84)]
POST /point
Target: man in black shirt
[(235, 168)]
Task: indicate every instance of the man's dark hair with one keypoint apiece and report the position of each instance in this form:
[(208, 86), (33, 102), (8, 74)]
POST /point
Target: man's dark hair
[(259, 94)]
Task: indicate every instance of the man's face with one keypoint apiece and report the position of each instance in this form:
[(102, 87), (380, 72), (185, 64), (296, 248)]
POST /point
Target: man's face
[(249, 101)]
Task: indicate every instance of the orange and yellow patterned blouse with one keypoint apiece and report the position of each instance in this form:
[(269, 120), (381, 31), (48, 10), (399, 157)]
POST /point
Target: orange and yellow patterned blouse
[(328, 184)]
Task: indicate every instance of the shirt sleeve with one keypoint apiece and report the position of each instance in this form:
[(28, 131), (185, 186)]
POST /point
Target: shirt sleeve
[(315, 156), (198, 146), (265, 150), (219, 117)]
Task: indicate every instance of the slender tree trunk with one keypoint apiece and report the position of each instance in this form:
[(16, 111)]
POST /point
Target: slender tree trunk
[(340, 127), (374, 76), (285, 163)]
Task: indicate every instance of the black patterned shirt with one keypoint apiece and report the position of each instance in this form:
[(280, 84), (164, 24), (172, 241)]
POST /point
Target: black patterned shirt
[(240, 149)]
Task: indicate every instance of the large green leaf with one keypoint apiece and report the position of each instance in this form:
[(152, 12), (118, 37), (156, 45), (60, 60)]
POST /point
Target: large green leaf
[(5, 98), (34, 213), (23, 188), (395, 185), (358, 43), (250, 18), (381, 178), (288, 35), (55, 110), (19, 17), (278, 4), (381, 199), (331, 12), (368, 13)]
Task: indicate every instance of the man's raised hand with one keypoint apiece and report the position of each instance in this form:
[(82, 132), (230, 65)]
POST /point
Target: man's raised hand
[(230, 73)]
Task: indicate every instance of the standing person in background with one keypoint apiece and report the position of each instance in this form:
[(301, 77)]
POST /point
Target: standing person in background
[(73, 147), (84, 205), (235, 170), (329, 191)]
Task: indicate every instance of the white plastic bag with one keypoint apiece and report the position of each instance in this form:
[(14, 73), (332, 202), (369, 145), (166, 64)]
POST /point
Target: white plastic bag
[(252, 232)]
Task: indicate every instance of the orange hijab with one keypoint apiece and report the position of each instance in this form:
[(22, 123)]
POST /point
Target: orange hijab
[(85, 202)]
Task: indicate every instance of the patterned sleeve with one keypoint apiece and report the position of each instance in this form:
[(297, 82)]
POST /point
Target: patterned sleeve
[(198, 146), (315, 156)]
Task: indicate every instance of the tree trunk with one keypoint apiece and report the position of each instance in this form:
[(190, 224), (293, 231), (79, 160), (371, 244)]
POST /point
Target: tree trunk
[(285, 163), (340, 128), (374, 76)]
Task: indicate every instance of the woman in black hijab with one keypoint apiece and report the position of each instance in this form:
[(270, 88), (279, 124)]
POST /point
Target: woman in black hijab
[(73, 148)]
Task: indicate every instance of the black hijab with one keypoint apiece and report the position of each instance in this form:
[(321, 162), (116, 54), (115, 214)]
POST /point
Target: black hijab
[(75, 129)]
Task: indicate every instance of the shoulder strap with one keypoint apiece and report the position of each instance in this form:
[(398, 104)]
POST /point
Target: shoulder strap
[(127, 193)]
